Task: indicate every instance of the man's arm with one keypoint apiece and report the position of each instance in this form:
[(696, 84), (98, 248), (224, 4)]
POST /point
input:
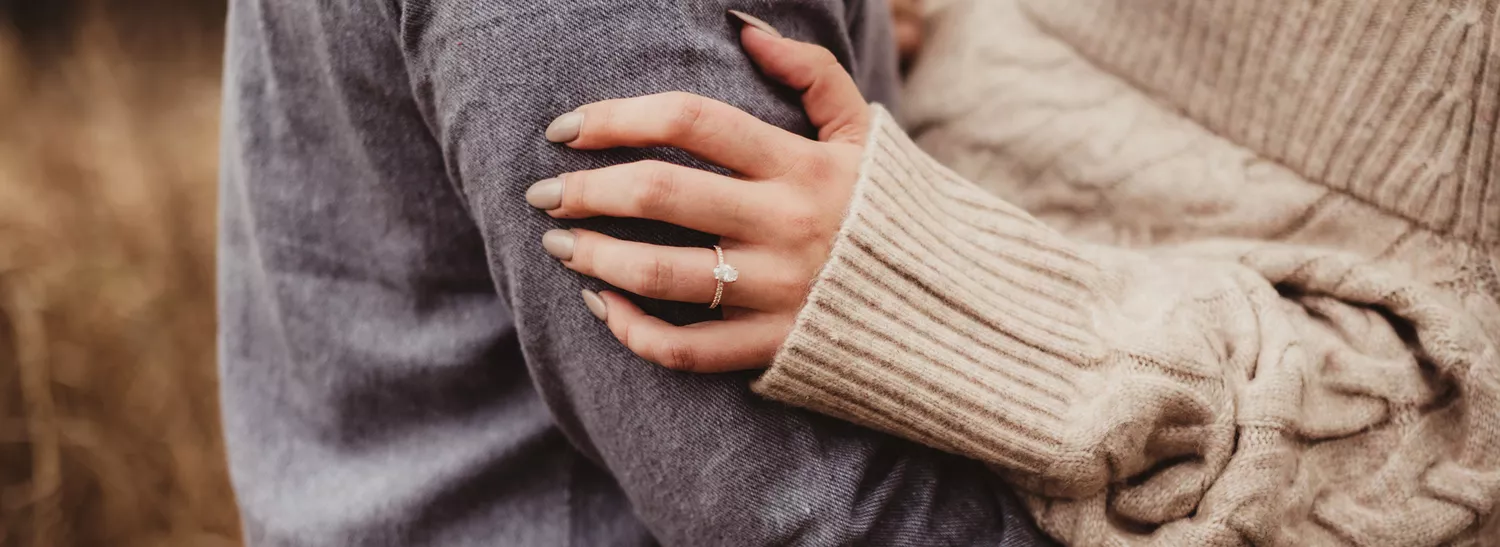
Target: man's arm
[(702, 458), (372, 386), (374, 402)]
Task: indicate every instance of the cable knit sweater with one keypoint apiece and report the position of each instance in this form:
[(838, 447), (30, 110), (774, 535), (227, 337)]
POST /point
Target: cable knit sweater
[(1226, 272)]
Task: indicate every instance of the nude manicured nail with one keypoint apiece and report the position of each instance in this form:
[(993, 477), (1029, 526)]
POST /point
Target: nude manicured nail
[(559, 244), (595, 304), (546, 194), (755, 22), (565, 128)]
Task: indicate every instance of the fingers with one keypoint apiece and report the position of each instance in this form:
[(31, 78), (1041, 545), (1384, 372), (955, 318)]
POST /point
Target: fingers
[(682, 274), (832, 100), (714, 346), (706, 128), (907, 16), (692, 198)]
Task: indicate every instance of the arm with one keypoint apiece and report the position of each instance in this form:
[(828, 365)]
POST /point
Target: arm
[(1218, 393), (1179, 390), (701, 458), (382, 278)]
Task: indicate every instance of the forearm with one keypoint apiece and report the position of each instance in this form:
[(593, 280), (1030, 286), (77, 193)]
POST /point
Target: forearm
[(1178, 389), (701, 458)]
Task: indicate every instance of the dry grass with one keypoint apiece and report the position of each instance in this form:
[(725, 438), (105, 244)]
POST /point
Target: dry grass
[(108, 422)]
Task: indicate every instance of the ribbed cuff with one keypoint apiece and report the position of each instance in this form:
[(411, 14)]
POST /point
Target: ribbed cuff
[(949, 317)]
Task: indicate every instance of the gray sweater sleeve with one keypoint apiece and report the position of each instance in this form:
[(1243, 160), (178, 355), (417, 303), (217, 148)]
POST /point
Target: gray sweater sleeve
[(403, 364)]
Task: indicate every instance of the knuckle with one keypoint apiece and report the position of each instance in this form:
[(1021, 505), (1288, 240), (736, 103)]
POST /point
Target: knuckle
[(824, 58), (575, 188), (677, 355), (656, 189), (626, 334), (819, 166), (824, 65), (802, 224), (688, 113), (653, 277), (637, 341), (806, 164), (803, 228), (831, 72), (737, 212)]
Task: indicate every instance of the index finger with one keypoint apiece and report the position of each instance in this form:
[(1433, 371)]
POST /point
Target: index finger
[(711, 130)]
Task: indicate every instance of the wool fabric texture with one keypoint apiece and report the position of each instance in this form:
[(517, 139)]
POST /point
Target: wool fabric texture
[(1201, 273)]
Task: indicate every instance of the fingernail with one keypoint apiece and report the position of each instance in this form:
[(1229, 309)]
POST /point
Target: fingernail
[(595, 304), (559, 244), (546, 195), (755, 22), (565, 127)]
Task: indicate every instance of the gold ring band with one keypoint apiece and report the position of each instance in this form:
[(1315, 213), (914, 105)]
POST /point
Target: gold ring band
[(723, 273)]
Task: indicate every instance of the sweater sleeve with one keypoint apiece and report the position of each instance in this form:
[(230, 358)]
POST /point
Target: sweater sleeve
[(1220, 393)]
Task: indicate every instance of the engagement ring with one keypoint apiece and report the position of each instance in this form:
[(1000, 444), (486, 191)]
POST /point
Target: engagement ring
[(723, 273)]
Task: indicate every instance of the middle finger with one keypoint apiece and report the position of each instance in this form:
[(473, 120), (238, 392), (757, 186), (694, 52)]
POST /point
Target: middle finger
[(656, 190)]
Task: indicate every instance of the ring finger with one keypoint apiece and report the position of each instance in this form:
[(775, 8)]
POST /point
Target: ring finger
[(683, 274)]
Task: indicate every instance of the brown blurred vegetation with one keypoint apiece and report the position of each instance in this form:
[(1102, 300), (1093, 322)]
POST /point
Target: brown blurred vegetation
[(108, 130)]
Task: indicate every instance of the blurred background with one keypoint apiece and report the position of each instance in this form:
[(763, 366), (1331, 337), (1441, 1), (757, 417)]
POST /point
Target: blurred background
[(108, 131)]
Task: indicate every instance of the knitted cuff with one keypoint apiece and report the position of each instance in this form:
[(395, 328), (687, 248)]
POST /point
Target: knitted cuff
[(946, 316)]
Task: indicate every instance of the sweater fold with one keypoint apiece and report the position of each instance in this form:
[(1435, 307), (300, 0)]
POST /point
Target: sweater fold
[(1214, 393)]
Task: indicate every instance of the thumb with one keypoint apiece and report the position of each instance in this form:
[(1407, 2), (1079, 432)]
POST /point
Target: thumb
[(832, 101)]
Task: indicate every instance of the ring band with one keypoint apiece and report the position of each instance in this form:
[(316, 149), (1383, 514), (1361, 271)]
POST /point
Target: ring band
[(723, 273)]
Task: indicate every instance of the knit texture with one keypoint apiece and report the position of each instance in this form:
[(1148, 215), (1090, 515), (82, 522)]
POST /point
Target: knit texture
[(1199, 291)]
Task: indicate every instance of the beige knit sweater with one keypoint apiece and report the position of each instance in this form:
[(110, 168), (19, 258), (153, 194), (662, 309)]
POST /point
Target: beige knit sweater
[(1228, 272)]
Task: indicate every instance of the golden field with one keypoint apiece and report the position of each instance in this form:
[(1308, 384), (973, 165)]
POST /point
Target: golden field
[(108, 419)]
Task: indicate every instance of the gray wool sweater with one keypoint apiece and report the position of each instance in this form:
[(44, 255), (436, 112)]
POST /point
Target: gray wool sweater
[(403, 365)]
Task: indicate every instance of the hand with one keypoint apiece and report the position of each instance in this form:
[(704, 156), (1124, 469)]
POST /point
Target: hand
[(777, 216), (906, 16)]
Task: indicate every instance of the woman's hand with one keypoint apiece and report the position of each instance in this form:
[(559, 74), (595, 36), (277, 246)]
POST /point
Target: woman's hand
[(777, 216)]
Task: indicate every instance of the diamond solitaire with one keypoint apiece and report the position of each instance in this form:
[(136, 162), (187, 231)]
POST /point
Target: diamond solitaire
[(726, 273)]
